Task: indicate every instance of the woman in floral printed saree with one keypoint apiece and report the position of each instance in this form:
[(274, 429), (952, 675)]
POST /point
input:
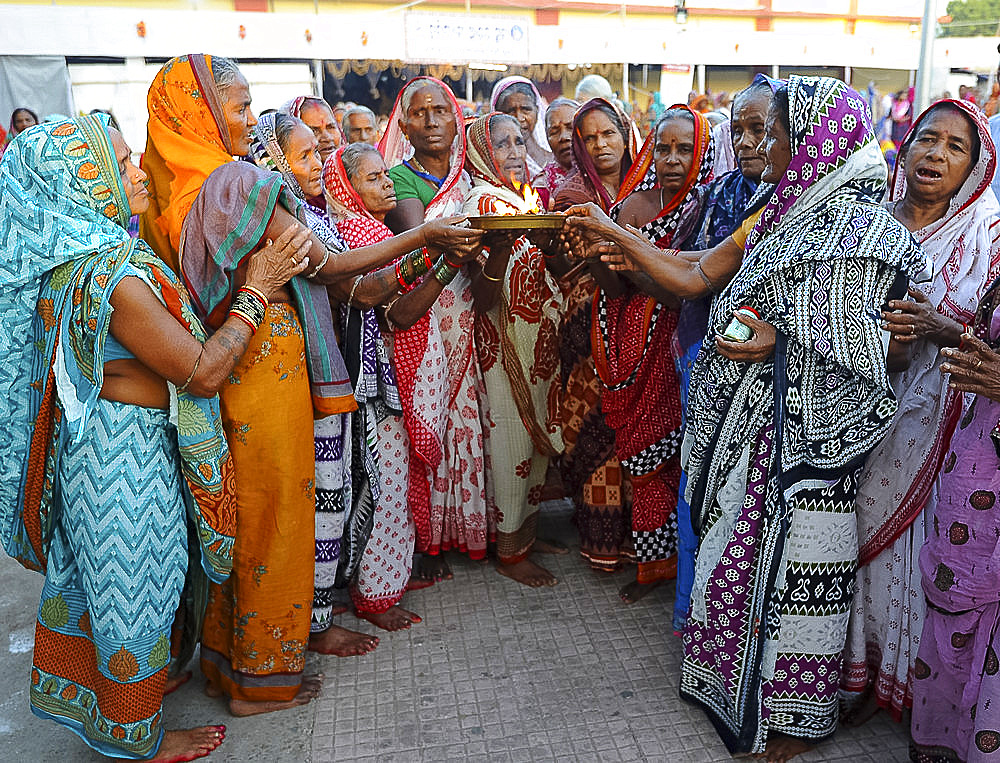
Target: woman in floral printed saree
[(112, 439), (517, 306)]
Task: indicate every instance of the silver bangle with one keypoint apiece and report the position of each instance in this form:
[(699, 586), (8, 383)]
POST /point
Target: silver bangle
[(322, 264), (354, 288), (704, 277)]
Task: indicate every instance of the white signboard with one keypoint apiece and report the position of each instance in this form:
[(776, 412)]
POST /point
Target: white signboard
[(455, 38)]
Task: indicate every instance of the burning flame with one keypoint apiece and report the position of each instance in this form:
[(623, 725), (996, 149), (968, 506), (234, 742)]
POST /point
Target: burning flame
[(532, 200)]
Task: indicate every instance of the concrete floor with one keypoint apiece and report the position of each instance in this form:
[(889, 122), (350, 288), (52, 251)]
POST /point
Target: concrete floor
[(496, 672)]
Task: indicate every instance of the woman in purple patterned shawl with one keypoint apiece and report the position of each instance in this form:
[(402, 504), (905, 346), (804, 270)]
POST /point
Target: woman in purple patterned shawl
[(779, 426)]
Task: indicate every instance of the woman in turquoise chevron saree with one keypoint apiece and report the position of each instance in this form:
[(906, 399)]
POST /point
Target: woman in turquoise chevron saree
[(780, 427), (111, 447)]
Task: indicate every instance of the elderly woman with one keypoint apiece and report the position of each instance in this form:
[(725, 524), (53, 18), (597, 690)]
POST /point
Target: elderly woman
[(603, 150), (450, 495), (99, 487), (258, 660), (941, 192), (382, 320), (518, 97), (517, 313), (286, 145), (635, 332), (199, 119), (726, 202), (779, 426), (318, 117), (956, 692), (559, 133)]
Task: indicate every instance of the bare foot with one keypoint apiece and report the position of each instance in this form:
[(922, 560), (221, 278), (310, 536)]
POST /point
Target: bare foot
[(309, 690), (416, 584), (342, 642), (190, 744), (635, 590), (528, 573), (211, 690), (393, 619), (175, 682), (432, 567), (860, 713), (781, 748), (549, 546)]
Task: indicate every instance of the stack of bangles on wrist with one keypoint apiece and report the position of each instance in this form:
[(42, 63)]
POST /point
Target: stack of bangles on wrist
[(411, 266), (445, 270), (250, 306)]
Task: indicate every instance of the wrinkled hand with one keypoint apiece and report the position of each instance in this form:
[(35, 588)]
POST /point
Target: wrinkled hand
[(975, 370), (756, 349), (446, 235), (914, 320), (588, 223), (616, 258), (274, 264)]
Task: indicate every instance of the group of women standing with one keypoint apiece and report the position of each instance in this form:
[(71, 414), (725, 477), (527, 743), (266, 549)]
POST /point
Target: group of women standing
[(301, 354)]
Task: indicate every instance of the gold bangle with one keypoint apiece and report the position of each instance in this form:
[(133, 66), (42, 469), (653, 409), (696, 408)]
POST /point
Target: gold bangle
[(488, 277)]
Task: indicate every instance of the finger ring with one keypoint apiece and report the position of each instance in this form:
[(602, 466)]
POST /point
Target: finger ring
[(979, 364), (913, 329)]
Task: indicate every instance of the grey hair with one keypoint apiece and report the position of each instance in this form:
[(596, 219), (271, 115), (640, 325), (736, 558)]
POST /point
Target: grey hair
[(560, 101), (361, 110), (594, 86), (352, 157), (500, 117), (224, 72), (283, 126), (412, 89), (753, 89)]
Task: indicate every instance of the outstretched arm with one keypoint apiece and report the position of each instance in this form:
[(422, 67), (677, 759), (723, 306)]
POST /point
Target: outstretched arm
[(690, 276)]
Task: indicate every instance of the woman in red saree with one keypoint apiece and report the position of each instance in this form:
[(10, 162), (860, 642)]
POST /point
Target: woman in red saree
[(633, 338), (603, 149)]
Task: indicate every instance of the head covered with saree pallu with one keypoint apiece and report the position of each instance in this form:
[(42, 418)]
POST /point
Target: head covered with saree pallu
[(963, 248), (267, 154), (632, 337), (66, 174), (896, 485), (773, 448), (395, 147), (539, 136), (516, 342), (583, 184), (226, 223), (187, 138), (419, 375)]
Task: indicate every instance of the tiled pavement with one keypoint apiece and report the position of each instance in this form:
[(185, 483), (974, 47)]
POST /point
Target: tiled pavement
[(496, 672)]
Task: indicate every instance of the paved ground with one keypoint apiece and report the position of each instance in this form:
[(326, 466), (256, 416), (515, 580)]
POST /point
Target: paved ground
[(496, 672)]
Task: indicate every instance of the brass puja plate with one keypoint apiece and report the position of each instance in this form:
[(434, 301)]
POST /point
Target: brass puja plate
[(518, 222)]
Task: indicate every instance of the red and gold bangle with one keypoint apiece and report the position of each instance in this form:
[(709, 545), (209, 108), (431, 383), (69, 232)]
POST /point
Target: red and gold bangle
[(245, 319), (399, 276), (257, 293), (428, 262)]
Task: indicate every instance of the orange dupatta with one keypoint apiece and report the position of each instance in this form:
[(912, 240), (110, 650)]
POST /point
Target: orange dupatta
[(187, 138)]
